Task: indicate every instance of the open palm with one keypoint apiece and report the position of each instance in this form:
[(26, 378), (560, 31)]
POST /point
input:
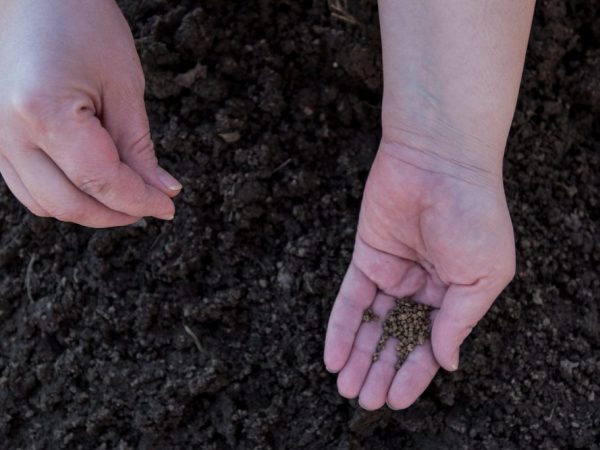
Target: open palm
[(442, 237)]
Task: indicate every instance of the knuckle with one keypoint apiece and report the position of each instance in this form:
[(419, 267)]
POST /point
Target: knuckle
[(97, 184), (43, 109), (143, 149), (94, 187), (32, 104)]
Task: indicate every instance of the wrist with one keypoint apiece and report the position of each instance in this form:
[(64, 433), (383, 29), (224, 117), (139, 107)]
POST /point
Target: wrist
[(436, 146)]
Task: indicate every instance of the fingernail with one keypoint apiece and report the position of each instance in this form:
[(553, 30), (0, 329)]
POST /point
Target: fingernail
[(167, 217), (454, 363), (167, 180)]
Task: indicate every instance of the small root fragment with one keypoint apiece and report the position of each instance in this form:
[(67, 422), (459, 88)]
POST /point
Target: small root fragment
[(28, 276), (189, 331)]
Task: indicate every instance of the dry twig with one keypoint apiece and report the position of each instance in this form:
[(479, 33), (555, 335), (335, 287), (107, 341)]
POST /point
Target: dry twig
[(189, 331), (28, 277), (339, 10)]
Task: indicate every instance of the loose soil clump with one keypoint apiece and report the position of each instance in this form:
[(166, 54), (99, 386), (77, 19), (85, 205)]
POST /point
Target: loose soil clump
[(409, 323)]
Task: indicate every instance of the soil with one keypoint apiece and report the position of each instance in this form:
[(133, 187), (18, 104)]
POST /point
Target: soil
[(208, 332)]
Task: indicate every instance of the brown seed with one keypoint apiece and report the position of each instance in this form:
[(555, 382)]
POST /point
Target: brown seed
[(369, 316), (407, 322)]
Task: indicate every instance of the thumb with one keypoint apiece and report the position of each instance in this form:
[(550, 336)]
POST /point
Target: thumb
[(124, 116), (462, 307)]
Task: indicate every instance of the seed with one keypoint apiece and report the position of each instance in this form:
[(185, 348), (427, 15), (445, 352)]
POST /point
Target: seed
[(407, 322), (369, 316)]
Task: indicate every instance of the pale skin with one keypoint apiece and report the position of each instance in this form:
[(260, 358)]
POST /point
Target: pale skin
[(74, 137), (434, 225)]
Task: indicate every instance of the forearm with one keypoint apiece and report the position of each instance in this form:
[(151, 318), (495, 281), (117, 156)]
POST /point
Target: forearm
[(451, 77)]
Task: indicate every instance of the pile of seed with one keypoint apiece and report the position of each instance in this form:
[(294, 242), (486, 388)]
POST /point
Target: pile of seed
[(409, 323)]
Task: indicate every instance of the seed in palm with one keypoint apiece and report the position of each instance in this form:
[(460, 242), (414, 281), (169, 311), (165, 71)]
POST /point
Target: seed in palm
[(407, 322)]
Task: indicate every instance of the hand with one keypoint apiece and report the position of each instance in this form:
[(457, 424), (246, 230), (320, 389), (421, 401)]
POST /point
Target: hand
[(441, 235), (74, 136)]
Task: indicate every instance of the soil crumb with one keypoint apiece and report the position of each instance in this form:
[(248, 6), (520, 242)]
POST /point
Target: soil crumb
[(409, 323)]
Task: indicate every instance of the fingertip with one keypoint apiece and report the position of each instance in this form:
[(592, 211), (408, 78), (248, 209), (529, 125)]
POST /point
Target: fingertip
[(333, 364), (168, 216), (454, 361), (370, 403), (445, 342), (170, 183), (173, 194), (394, 407), (108, 219), (164, 208), (125, 223), (447, 360), (345, 388)]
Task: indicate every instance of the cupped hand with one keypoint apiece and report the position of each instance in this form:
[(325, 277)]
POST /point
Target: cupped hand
[(439, 234), (74, 136)]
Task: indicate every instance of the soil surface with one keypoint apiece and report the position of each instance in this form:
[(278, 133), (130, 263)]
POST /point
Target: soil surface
[(208, 332)]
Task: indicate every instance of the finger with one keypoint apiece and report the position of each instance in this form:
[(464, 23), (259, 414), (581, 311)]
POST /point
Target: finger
[(356, 294), (56, 195), (18, 189), (413, 377), (354, 373), (398, 277), (462, 307), (375, 388), (87, 155), (126, 120)]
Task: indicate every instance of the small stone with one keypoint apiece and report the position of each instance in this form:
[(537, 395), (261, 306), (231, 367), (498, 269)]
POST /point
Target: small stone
[(230, 138)]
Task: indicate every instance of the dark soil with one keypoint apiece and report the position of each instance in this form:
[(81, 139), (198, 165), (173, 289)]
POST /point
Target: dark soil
[(97, 346)]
